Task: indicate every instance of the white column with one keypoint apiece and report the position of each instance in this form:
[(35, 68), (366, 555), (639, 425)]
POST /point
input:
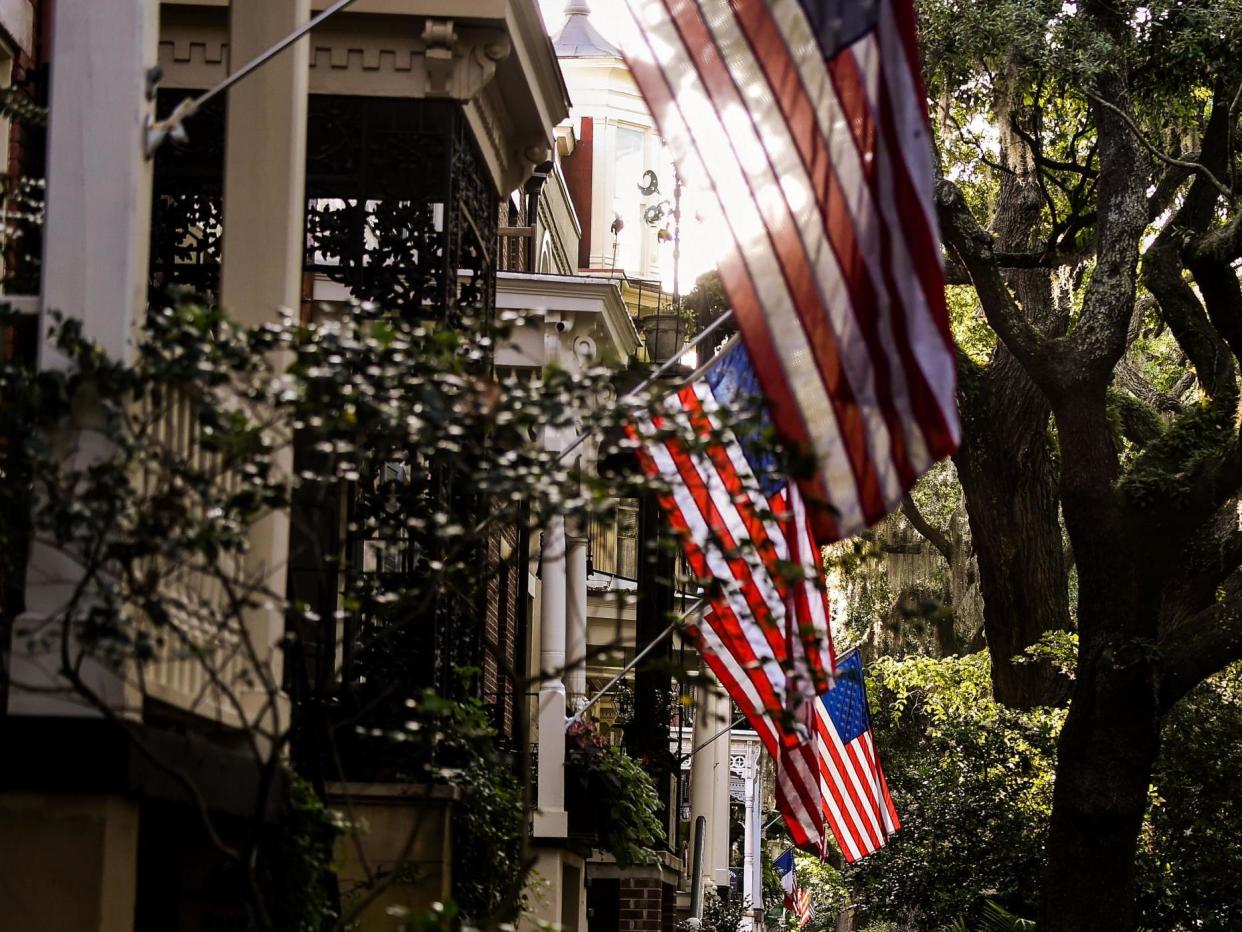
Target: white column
[(576, 615), (95, 255), (720, 838), (97, 228), (755, 831), (703, 781), (748, 838), (262, 253), (752, 877), (551, 820), (265, 163)]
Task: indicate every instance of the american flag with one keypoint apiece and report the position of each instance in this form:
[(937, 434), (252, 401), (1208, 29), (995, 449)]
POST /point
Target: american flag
[(856, 802), (766, 635), (808, 120), (743, 526), (804, 907)]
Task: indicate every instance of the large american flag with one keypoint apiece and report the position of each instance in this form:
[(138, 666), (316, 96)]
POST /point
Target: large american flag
[(744, 528), (808, 120)]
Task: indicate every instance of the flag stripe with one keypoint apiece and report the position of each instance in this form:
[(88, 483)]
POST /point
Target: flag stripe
[(866, 817), (720, 528), (738, 684), (791, 411), (849, 808), (745, 641), (735, 490), (927, 319), (817, 202), (813, 611), (841, 102), (734, 470), (724, 506), (854, 779)]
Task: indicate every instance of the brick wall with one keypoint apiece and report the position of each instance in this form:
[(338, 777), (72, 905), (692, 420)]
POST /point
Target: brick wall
[(646, 905), (579, 177)]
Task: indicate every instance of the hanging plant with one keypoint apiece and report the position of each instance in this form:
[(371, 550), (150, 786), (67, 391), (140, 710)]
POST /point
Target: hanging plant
[(613, 795)]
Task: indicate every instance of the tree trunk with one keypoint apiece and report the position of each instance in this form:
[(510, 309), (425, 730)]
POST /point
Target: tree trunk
[(1111, 735), (1010, 481), (1104, 763), (1005, 462)]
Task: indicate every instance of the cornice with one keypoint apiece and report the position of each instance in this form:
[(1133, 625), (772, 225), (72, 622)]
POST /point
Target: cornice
[(543, 290), (470, 61)]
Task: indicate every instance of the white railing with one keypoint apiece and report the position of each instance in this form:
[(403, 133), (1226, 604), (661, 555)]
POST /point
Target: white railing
[(201, 661)]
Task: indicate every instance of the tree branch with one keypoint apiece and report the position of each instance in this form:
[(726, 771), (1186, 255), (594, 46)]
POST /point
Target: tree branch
[(934, 535), (973, 248), (1099, 338), (1170, 182), (1182, 311), (1210, 329), (1129, 378), (1198, 167), (1201, 646)]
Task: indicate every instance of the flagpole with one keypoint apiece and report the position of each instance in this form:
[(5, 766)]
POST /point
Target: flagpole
[(720, 734), (172, 125), (638, 658)]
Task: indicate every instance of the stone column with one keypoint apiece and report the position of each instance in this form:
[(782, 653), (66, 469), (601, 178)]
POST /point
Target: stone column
[(265, 163), (551, 820), (95, 256), (264, 237), (576, 614), (97, 230)]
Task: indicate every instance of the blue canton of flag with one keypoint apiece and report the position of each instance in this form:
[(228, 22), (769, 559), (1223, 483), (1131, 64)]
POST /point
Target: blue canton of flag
[(847, 703), (735, 387), (839, 23)]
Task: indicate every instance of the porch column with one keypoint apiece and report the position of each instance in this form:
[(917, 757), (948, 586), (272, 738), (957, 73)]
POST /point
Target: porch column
[(95, 256), (265, 163), (703, 779), (264, 236), (720, 840), (748, 838), (551, 820), (576, 612), (754, 830), (97, 228)]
